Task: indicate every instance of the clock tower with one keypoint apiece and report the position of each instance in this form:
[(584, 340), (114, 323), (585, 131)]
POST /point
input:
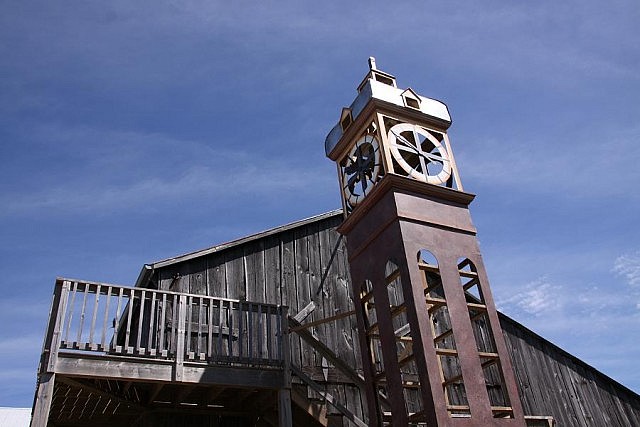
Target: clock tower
[(432, 347)]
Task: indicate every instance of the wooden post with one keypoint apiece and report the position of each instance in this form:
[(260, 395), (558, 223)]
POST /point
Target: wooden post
[(42, 404), (180, 339), (46, 374), (284, 394), (284, 407)]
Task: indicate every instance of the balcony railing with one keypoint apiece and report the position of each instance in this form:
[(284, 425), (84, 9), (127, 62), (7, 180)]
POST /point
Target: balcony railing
[(119, 321)]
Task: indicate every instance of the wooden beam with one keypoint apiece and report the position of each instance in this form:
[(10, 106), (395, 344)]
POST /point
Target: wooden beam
[(317, 412), (326, 352), (328, 397), (323, 321)]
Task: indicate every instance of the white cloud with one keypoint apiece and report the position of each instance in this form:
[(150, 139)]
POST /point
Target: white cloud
[(628, 267), (536, 298)]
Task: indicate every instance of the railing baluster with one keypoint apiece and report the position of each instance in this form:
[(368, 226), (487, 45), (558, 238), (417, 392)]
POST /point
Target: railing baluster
[(96, 303), (153, 318), (210, 330), (138, 348), (116, 322), (220, 318), (230, 322), (132, 300), (269, 337), (103, 338), (240, 330), (70, 309), (187, 342), (260, 331), (200, 337), (162, 325), (250, 329), (82, 314), (174, 324)]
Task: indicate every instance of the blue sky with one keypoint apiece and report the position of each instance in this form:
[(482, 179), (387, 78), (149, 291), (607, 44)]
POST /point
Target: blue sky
[(135, 131)]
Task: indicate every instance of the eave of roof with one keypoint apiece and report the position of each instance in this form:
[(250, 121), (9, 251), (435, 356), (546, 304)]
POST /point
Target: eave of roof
[(147, 269)]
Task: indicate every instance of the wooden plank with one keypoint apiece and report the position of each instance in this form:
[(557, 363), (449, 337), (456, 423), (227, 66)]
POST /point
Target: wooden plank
[(301, 248), (272, 270), (289, 294), (138, 369), (235, 274)]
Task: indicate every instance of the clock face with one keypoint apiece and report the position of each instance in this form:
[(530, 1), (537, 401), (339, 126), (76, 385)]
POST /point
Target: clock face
[(360, 169), (419, 153)]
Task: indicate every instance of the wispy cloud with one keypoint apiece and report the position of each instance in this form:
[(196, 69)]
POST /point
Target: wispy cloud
[(535, 298), (628, 267), (113, 174)]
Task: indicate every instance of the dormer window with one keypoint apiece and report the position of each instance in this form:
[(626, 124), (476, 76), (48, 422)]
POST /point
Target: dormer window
[(383, 78), (411, 99), (345, 119)]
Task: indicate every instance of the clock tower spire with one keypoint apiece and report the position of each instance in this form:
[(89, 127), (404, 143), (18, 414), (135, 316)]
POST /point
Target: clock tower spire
[(431, 341)]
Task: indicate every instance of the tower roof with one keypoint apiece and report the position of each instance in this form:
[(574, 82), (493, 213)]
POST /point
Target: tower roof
[(382, 86)]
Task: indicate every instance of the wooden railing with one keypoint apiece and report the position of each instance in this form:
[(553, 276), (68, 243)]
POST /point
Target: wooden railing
[(116, 320)]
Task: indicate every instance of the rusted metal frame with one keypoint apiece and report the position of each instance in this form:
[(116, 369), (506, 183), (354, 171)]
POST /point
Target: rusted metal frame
[(506, 368), (477, 397)]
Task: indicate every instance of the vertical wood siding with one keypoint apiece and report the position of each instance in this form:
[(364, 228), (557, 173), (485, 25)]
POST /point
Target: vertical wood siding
[(309, 263)]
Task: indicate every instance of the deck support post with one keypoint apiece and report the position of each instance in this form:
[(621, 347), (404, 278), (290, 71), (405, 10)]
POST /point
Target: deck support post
[(42, 404), (284, 407)]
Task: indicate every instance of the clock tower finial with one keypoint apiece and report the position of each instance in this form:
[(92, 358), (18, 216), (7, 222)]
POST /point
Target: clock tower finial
[(432, 349), (372, 63)]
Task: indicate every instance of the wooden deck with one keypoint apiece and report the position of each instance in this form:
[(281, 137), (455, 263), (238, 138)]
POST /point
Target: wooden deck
[(112, 351)]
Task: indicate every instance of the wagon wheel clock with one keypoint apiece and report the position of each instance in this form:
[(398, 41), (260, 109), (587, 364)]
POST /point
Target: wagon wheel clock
[(419, 153), (360, 169)]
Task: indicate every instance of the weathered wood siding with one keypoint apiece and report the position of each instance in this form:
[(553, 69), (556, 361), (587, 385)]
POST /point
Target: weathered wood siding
[(552, 382), (293, 268), (309, 262)]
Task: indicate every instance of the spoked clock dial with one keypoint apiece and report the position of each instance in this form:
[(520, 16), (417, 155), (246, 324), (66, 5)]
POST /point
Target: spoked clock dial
[(419, 153), (361, 169)]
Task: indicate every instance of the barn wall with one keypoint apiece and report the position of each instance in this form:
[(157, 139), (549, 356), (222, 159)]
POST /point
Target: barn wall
[(309, 262), (552, 382), (292, 268)]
